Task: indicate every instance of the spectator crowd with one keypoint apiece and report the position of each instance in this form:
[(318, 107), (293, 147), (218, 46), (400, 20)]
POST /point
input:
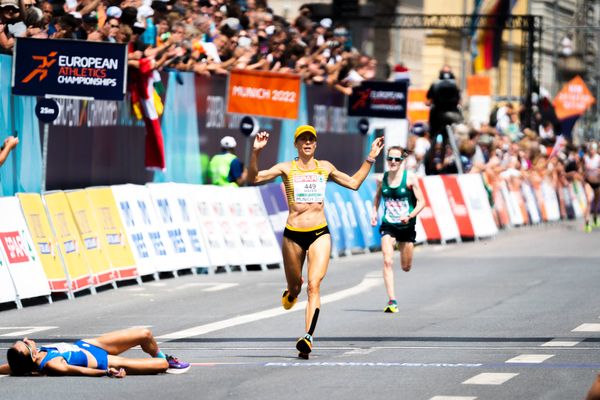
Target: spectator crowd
[(203, 36), (504, 148), (215, 36)]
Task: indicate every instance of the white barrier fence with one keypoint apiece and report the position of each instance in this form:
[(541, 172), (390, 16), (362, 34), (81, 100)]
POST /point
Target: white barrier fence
[(128, 231)]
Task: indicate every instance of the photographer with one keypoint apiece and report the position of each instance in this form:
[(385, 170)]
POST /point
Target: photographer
[(443, 96)]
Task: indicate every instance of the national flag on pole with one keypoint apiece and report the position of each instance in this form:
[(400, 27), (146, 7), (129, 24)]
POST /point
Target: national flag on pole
[(146, 104), (487, 43)]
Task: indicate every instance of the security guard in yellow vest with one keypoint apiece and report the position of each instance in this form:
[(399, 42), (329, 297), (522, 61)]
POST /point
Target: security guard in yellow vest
[(225, 168)]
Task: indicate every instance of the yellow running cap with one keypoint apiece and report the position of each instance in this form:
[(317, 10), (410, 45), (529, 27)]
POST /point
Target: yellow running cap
[(305, 128)]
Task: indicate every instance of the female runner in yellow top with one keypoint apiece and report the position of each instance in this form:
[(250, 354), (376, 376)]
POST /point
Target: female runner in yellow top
[(306, 235)]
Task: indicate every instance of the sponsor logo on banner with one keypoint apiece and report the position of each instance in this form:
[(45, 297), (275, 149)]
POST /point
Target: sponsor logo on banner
[(573, 99), (263, 94), (14, 247), (69, 68), (417, 108), (379, 99)]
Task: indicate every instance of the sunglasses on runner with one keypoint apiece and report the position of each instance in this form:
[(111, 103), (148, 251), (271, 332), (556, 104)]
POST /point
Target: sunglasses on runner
[(397, 159)]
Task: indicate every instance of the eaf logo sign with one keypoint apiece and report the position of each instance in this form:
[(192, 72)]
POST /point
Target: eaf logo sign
[(42, 70), (69, 68), (14, 247)]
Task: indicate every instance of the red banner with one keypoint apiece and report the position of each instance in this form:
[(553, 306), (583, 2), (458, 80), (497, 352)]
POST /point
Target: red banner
[(458, 206), (262, 93), (14, 247), (432, 231)]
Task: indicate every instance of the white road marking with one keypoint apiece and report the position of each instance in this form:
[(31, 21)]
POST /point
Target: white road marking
[(360, 351), (561, 343), (157, 284), (136, 289), (25, 330), (489, 378), (370, 364), (220, 286), (530, 358), (587, 328), (453, 398), (366, 284)]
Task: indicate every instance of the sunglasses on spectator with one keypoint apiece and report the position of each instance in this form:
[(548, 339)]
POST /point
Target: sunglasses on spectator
[(397, 159), (114, 25)]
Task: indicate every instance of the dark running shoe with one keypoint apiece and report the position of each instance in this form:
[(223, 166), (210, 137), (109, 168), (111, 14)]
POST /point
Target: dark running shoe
[(177, 366)]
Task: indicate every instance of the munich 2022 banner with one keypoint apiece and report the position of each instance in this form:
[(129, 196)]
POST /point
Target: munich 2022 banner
[(264, 94), (379, 99), (69, 68)]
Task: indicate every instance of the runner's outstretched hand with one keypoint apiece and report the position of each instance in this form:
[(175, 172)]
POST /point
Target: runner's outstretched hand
[(376, 147), (260, 141)]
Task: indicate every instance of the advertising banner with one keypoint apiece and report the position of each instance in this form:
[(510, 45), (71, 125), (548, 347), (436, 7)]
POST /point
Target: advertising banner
[(263, 93), (531, 205), (436, 193), (362, 209), (89, 230), (343, 224), (427, 216), (210, 214), (381, 99), (512, 205), (367, 193), (174, 207), (113, 237), (458, 206), (144, 230), (500, 205), (70, 244), (579, 193), (238, 232), (276, 206), (417, 108), (18, 252), (255, 228), (7, 288), (573, 99), (550, 200), (478, 205), (69, 68), (44, 240), (354, 238), (421, 236)]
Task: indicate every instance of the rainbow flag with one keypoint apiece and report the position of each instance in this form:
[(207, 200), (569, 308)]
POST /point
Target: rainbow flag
[(486, 43)]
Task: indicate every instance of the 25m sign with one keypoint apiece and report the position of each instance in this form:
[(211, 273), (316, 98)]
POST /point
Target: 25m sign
[(69, 68), (14, 247)]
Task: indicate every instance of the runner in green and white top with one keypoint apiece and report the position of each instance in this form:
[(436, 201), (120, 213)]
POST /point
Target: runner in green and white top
[(403, 200)]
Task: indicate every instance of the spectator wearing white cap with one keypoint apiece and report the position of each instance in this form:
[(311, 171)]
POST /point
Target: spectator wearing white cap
[(225, 168)]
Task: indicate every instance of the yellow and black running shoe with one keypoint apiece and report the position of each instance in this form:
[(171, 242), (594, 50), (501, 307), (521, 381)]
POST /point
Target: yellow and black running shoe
[(392, 307), (304, 344), (286, 302)]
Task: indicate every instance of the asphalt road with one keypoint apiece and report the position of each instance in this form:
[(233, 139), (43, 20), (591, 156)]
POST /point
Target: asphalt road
[(514, 317)]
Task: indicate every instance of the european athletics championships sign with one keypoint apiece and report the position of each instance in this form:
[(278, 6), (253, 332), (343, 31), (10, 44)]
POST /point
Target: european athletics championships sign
[(69, 68)]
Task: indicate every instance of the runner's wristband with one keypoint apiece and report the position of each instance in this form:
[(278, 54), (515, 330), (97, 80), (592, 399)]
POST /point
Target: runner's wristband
[(370, 160)]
